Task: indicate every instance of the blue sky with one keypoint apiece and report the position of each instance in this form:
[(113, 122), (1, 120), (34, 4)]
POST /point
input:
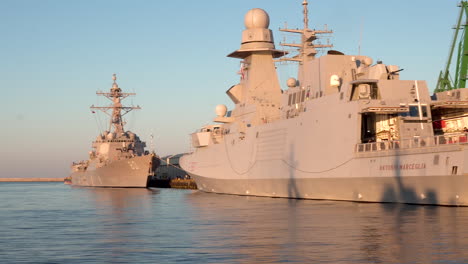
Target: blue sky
[(56, 54)]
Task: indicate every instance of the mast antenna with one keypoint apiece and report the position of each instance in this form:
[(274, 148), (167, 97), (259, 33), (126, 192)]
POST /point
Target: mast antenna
[(306, 49), (306, 14), (360, 37), (152, 141)]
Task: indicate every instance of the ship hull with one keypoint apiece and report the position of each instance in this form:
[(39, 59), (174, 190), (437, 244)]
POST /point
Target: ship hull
[(132, 173), (430, 190), (279, 160)]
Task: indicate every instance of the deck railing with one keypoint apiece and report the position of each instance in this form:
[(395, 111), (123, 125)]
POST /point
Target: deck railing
[(412, 143)]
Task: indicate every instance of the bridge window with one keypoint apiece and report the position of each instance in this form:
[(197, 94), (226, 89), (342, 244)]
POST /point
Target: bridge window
[(414, 111)]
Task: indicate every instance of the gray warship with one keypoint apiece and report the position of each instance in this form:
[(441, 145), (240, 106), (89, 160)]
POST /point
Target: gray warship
[(118, 158), (346, 128)]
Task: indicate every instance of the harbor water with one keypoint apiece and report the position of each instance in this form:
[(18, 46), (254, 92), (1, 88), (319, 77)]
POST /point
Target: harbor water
[(56, 223)]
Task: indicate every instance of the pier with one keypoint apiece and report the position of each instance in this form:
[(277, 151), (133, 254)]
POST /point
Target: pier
[(183, 184), (173, 183)]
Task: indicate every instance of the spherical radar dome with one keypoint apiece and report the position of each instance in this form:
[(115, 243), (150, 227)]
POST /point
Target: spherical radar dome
[(221, 110), (291, 82), (256, 18)]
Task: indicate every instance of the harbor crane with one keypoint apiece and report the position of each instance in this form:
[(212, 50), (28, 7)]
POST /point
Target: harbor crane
[(460, 39)]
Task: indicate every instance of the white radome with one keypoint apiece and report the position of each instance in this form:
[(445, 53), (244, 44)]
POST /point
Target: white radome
[(256, 18), (291, 82), (221, 110)]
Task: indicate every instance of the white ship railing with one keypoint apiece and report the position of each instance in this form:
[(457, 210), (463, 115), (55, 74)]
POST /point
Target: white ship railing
[(413, 143)]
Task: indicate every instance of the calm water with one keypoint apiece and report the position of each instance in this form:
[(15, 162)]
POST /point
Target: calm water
[(54, 223)]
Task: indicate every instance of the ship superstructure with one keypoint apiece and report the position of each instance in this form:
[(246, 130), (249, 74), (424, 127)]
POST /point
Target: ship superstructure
[(118, 157), (347, 128)]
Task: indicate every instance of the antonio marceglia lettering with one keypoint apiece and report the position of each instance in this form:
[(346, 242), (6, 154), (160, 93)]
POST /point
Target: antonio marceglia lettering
[(411, 166)]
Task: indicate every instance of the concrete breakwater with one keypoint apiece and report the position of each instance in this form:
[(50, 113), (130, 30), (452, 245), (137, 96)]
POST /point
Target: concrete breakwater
[(31, 179), (174, 183)]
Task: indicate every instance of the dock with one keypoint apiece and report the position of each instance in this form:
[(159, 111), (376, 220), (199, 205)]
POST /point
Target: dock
[(183, 184), (173, 183)]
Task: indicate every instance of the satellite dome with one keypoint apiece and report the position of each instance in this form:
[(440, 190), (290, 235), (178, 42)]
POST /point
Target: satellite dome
[(367, 61), (221, 110), (291, 82), (256, 18)]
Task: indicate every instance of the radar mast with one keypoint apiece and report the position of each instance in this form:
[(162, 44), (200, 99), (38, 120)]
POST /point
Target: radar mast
[(307, 49), (118, 110)]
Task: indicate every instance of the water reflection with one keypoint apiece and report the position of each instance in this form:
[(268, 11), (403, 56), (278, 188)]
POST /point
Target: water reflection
[(123, 216), (119, 200), (275, 230), (58, 224)]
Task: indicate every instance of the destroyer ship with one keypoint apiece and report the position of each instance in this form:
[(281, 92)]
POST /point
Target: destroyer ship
[(346, 128), (118, 157)]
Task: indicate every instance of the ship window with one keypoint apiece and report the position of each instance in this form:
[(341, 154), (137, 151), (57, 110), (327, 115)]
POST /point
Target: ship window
[(454, 170), (374, 91), (424, 110), (413, 111)]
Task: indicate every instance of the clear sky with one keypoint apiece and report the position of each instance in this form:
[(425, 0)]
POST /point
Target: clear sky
[(56, 54)]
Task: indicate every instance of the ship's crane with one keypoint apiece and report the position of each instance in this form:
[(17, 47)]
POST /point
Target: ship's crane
[(445, 81)]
